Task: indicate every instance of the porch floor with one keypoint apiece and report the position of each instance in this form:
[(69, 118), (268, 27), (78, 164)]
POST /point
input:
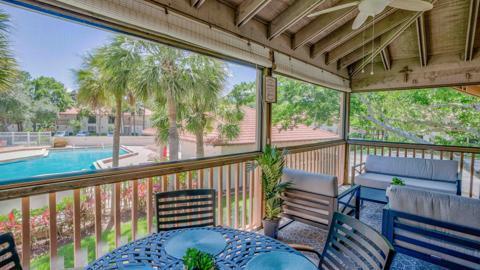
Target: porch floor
[(371, 214)]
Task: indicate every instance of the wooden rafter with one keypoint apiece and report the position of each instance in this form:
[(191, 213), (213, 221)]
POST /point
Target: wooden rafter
[(248, 9), (197, 3), (422, 41), (324, 24), (386, 59), (377, 29), (473, 90), (388, 38), (292, 15), (471, 29), (343, 34)]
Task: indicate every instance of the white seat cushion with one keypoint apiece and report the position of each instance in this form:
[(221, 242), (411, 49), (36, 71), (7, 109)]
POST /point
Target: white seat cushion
[(383, 181)]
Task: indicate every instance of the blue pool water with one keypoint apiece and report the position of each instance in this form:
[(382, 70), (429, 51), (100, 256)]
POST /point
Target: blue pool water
[(57, 161)]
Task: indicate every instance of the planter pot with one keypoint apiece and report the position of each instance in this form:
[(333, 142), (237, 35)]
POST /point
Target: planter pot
[(270, 227)]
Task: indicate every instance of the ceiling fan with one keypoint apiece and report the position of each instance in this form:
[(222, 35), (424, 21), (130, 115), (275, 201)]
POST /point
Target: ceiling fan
[(372, 8)]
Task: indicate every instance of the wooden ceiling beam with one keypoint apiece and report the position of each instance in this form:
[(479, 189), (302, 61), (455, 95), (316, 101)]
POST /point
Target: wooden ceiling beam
[(388, 38), (324, 24), (197, 3), (292, 15), (422, 41), (386, 59), (473, 90), (343, 34), (471, 29), (441, 71), (377, 29), (248, 9)]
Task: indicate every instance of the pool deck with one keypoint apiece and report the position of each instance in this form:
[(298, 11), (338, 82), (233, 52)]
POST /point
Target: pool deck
[(21, 154)]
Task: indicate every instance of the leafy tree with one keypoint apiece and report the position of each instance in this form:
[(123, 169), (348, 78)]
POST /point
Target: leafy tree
[(53, 90), (15, 103), (105, 81), (440, 116), (243, 94), (162, 76), (44, 114), (304, 103), (8, 65), (203, 98)]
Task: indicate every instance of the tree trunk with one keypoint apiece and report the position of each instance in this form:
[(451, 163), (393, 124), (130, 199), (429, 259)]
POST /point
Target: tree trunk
[(143, 122), (199, 140), (173, 138), (116, 132), (134, 123)]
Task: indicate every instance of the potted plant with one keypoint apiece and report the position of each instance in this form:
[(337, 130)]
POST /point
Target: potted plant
[(397, 182), (272, 162), (195, 259)]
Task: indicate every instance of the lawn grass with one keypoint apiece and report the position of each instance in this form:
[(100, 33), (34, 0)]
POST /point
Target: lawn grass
[(65, 252)]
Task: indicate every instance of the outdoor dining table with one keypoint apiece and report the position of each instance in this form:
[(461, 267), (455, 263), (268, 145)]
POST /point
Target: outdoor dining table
[(152, 252)]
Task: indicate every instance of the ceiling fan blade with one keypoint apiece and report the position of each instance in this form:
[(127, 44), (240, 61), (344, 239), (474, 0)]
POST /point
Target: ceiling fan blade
[(359, 20), (412, 5), (332, 9)]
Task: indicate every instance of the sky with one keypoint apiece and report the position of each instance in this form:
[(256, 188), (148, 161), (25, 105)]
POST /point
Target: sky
[(49, 46)]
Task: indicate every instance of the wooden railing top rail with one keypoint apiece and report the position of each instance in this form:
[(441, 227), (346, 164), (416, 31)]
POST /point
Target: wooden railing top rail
[(313, 146), (433, 147), (44, 185)]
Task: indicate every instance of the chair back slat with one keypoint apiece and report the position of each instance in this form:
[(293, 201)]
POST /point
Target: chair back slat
[(352, 244), (9, 258), (185, 209)]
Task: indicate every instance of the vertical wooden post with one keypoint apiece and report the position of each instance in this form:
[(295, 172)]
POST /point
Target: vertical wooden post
[(220, 196), (210, 178), (98, 222), (77, 260), (149, 199), (117, 213), (244, 194), (236, 195), (134, 209), (52, 224), (345, 131), (26, 244), (228, 190)]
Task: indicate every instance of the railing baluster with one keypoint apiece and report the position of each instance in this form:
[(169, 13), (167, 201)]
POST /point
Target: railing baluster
[(389, 151), (26, 243), (176, 185), (98, 222), (52, 228), (441, 155), (164, 184), (201, 176), (189, 180), (210, 177), (228, 190), (244, 194), (134, 209), (149, 200), (220, 195), (236, 202), (250, 195), (76, 229), (451, 155), (117, 213), (472, 174)]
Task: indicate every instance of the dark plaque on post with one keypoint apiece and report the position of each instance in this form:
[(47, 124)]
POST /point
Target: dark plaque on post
[(270, 89)]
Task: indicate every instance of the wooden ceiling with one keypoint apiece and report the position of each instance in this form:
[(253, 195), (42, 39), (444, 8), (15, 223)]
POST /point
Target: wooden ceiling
[(407, 49)]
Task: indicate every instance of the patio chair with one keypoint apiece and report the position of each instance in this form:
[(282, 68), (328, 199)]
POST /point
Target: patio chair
[(352, 244), (185, 209), (313, 198), (440, 228), (8, 253)]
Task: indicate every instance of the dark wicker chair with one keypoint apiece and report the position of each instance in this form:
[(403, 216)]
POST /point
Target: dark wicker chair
[(8, 253), (352, 244), (185, 209)]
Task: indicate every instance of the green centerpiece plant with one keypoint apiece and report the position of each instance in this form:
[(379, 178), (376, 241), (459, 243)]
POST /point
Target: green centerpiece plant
[(397, 182), (195, 259), (272, 162)]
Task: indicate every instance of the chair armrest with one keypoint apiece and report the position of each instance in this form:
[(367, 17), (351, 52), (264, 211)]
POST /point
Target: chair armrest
[(357, 168), (305, 248)]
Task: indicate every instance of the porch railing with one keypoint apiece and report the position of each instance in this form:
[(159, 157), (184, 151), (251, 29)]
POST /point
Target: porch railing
[(468, 158), (69, 221)]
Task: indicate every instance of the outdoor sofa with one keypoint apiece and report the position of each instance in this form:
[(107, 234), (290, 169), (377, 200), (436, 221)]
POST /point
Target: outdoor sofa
[(437, 227), (313, 198), (376, 173)]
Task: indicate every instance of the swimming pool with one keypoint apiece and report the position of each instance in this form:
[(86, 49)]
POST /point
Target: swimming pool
[(57, 161)]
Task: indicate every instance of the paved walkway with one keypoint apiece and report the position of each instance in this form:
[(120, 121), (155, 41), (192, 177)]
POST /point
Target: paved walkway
[(20, 154)]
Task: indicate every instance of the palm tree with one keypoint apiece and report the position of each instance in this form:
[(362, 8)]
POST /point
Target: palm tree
[(163, 77), (8, 64), (105, 81), (203, 99)]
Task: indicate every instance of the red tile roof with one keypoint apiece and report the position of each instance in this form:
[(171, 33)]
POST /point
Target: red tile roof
[(75, 111), (248, 126)]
